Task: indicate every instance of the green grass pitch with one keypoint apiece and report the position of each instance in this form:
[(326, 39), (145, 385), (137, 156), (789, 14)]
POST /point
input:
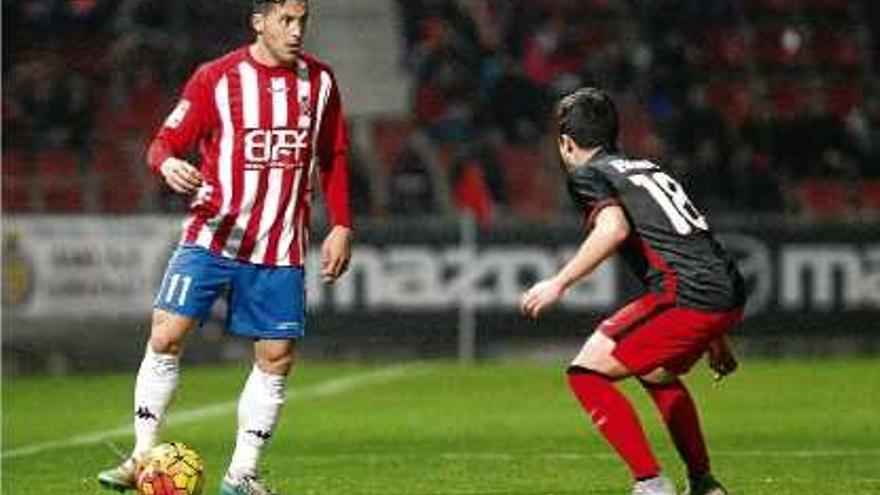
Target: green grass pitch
[(788, 427)]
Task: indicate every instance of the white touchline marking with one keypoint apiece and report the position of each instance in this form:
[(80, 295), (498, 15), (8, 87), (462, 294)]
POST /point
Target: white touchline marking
[(328, 388), (570, 456)]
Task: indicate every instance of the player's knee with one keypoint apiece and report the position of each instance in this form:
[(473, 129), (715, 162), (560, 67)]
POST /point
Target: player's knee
[(165, 340), (275, 357), (275, 364), (168, 331), (162, 343)]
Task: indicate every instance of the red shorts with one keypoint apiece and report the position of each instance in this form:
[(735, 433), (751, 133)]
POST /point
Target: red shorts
[(651, 333)]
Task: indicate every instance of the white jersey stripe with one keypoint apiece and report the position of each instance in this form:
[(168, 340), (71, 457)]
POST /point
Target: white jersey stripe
[(285, 243), (279, 102), (224, 162), (323, 98), (221, 97), (276, 175), (249, 198), (301, 230), (270, 209), (250, 109), (250, 94)]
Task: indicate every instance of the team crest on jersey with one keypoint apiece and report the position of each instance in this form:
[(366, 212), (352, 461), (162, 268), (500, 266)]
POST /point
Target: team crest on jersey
[(275, 148), (178, 114)]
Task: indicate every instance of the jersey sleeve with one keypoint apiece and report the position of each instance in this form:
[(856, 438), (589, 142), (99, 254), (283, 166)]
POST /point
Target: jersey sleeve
[(591, 191), (186, 124), (333, 160)]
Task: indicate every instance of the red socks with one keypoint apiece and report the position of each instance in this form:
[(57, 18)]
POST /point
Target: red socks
[(680, 415), (616, 419)]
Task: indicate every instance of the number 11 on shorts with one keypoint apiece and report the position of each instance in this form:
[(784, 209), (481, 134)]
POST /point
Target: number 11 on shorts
[(181, 282)]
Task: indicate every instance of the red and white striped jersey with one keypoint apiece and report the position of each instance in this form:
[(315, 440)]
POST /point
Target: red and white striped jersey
[(263, 133)]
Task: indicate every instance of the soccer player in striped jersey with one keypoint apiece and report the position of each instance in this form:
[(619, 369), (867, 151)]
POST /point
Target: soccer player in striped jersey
[(268, 121), (694, 294)]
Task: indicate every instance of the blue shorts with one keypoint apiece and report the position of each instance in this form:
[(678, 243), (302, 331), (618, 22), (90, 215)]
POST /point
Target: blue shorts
[(265, 302)]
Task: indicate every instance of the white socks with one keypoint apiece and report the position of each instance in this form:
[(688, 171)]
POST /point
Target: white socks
[(258, 411), (154, 390)]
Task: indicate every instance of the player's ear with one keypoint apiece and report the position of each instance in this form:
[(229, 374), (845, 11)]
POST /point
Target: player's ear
[(566, 143), (258, 22)]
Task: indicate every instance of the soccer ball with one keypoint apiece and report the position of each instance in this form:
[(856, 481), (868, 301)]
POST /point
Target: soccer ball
[(171, 469)]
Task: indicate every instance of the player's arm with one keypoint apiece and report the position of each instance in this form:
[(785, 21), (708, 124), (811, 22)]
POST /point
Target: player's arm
[(611, 228), (333, 159), (180, 132)]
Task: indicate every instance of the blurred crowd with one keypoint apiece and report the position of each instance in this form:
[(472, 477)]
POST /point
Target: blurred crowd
[(85, 84), (759, 105), (71, 66)]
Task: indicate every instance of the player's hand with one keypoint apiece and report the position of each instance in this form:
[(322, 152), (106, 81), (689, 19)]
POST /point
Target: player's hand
[(722, 362), (180, 176), (335, 253), (540, 296)]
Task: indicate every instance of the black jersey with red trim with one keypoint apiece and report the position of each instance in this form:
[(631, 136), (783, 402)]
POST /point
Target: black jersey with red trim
[(671, 248)]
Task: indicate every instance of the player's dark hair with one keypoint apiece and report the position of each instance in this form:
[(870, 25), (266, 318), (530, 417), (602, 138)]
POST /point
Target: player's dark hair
[(589, 117), (264, 6)]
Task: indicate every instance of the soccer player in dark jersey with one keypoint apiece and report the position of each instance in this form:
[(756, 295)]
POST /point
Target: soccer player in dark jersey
[(694, 294), (268, 121)]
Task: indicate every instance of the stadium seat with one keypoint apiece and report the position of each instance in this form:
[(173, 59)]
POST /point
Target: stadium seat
[(147, 104), (836, 49), (115, 158), (842, 97), (789, 97), (60, 180), (868, 196), (817, 198), (721, 47), (16, 191), (119, 195), (531, 193), (119, 183), (732, 98), (389, 137)]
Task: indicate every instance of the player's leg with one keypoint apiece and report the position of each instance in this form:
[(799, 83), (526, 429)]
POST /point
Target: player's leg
[(591, 377), (677, 339), (158, 376), (259, 407), (191, 283), (156, 382), (268, 305), (679, 414)]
